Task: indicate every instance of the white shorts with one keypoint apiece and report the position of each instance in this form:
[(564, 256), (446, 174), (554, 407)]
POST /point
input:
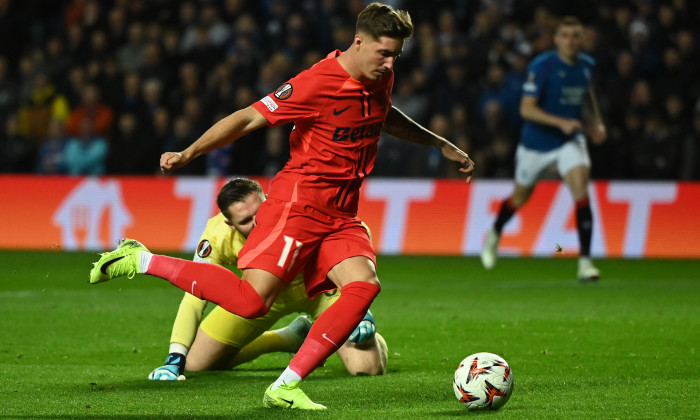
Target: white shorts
[(530, 164)]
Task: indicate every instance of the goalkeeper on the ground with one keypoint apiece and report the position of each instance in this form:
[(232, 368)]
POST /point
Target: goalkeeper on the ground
[(224, 340)]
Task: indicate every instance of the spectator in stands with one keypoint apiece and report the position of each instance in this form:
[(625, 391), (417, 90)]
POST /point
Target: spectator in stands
[(192, 109), (208, 28), (221, 92), (182, 137), (412, 101), (619, 164), (454, 91), (160, 130), (77, 44), (86, 152), (51, 158), (130, 56), (56, 62), (492, 89), (646, 55), (92, 109), (276, 150), (99, 46), (249, 154), (655, 155), (645, 50), (152, 97), (641, 98), (17, 152), (497, 158), (690, 155), (131, 98), (512, 88), (117, 29), (45, 103), (9, 92), (619, 86), (189, 84), (129, 135), (154, 67)]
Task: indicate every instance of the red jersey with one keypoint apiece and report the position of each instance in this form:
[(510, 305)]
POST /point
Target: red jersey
[(333, 146)]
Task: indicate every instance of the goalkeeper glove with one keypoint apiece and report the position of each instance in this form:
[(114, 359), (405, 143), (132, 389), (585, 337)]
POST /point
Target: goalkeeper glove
[(172, 370), (365, 330)]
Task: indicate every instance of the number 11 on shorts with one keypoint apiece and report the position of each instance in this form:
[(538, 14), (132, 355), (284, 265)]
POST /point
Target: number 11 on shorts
[(288, 243)]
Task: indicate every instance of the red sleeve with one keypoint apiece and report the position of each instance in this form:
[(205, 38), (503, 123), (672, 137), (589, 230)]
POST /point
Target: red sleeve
[(299, 98)]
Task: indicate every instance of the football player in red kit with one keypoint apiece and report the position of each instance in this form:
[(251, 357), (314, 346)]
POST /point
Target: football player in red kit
[(309, 221)]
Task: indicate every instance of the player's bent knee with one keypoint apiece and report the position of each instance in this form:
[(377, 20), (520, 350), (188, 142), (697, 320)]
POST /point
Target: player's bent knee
[(367, 289), (366, 359), (252, 311), (373, 281), (374, 370), (368, 367)]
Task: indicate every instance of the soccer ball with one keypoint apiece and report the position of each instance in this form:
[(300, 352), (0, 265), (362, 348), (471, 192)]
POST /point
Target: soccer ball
[(483, 381)]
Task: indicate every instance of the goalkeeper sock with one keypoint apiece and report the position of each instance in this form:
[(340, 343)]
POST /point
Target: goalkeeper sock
[(267, 342), (334, 326), (210, 282), (506, 211)]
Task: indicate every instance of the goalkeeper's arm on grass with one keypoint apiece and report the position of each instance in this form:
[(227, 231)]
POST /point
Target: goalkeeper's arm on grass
[(189, 315)]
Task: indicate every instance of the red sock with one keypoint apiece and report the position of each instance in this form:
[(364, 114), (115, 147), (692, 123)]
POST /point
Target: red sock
[(210, 282), (334, 326)]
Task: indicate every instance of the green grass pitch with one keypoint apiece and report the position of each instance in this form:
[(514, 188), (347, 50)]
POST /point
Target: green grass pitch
[(625, 348)]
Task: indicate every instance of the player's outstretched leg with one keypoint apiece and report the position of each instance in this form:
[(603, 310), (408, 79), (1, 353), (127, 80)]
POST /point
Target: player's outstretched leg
[(123, 261), (587, 271), (289, 395), (490, 251)]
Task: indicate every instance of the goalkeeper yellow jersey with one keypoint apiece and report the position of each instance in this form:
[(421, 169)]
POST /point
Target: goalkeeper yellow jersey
[(219, 244)]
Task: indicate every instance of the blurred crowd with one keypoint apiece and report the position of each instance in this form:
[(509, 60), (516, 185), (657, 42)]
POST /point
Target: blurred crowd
[(93, 87)]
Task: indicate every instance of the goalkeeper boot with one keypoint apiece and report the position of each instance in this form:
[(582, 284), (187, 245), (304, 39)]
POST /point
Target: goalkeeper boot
[(586, 271), (123, 261), (490, 251), (289, 396)]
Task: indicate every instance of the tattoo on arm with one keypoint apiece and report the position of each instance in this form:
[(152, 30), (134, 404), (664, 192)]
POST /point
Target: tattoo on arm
[(400, 125)]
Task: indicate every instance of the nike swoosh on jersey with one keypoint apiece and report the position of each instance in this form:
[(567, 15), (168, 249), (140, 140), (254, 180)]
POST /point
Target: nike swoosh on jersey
[(338, 112), (103, 269)]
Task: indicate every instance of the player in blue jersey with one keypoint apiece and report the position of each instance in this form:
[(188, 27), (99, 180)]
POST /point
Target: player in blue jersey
[(558, 82)]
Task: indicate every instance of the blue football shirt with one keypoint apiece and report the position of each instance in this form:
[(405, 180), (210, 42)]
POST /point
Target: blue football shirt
[(560, 89)]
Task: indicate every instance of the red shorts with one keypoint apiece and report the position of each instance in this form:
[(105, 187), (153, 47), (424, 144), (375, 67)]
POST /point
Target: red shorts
[(290, 237)]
